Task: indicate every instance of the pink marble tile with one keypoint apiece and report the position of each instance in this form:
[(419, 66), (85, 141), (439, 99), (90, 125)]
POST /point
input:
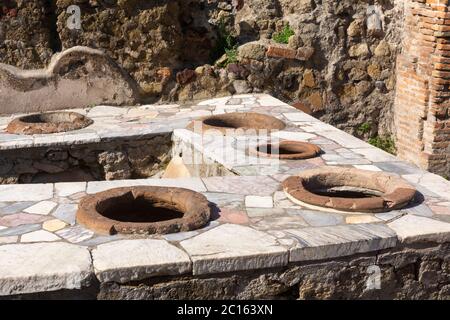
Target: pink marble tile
[(440, 210), (18, 219), (241, 185), (316, 161), (233, 216)]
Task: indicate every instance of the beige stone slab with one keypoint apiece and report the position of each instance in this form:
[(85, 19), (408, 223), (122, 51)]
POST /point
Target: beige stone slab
[(411, 228), (129, 260), (39, 267), (231, 247), (337, 241), (26, 192)]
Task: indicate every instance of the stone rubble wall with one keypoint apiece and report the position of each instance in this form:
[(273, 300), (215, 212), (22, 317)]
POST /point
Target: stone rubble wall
[(116, 160), (422, 105), (414, 272), (339, 65), (25, 33), (419, 272)]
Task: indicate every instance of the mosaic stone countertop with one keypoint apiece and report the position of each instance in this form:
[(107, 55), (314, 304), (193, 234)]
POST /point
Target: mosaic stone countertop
[(254, 224)]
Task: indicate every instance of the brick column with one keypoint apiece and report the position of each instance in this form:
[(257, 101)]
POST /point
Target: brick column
[(422, 97)]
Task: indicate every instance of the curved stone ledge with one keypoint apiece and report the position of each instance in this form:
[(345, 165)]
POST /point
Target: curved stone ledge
[(75, 78)]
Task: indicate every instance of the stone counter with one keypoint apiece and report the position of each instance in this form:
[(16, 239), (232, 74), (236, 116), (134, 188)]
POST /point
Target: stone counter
[(258, 243)]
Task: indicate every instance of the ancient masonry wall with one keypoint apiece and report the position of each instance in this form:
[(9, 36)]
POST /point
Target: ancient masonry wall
[(344, 73), (422, 95), (419, 271), (114, 160)]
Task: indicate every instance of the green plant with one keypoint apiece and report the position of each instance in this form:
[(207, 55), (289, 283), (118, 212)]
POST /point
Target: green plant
[(364, 128), (284, 35), (231, 56), (225, 44), (385, 143)]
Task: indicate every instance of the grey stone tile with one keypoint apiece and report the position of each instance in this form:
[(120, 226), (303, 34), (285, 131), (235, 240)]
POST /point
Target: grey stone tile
[(66, 212), (442, 217), (16, 207), (75, 234), (280, 222), (337, 241), (317, 218), (419, 210), (391, 215), (398, 167), (263, 212), (225, 199), (95, 241), (180, 236), (233, 248), (24, 228)]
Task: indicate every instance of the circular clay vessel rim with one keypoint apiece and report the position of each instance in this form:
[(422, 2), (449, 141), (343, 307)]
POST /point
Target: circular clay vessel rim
[(277, 123), (395, 192), (196, 211), (305, 150), (19, 126)]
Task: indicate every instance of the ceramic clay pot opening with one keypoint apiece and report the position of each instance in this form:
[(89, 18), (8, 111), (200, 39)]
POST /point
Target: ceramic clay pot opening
[(144, 210), (46, 123), (348, 190), (237, 122), (285, 150), (131, 208)]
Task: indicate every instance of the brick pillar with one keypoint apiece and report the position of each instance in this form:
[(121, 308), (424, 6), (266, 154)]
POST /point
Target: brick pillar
[(422, 96)]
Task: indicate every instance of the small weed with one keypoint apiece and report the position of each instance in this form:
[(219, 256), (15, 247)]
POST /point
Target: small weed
[(364, 128), (231, 56), (384, 143), (226, 44), (284, 35)]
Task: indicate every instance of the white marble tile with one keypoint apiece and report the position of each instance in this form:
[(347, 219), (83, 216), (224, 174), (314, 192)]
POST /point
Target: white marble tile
[(296, 136), (65, 189), (231, 247), (26, 192), (39, 236), (368, 167), (299, 117), (375, 155), (258, 202), (42, 208), (269, 101), (337, 241), (130, 260), (411, 228), (100, 111), (40, 267)]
